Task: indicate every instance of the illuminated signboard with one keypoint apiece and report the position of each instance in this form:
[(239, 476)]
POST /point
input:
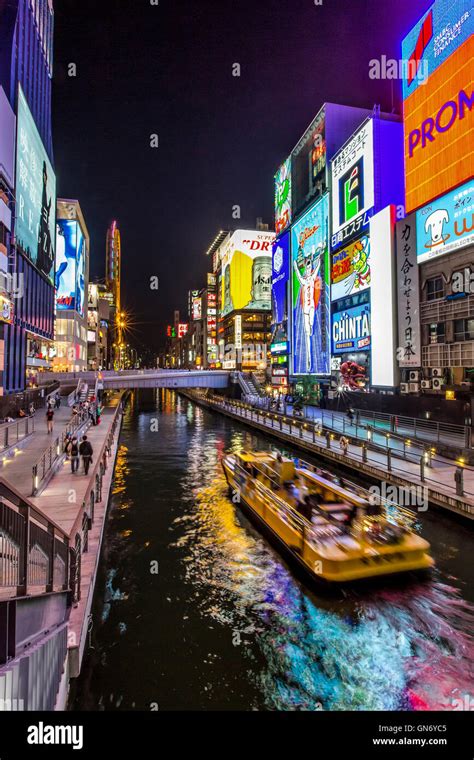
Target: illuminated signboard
[(280, 279), (197, 308), (70, 266), (279, 348), (309, 164), (351, 329), (353, 193), (280, 276), (443, 28), (246, 280), (310, 290), (6, 310), (283, 197), (446, 224), (35, 194), (350, 269), (211, 281), (182, 330), (438, 104)]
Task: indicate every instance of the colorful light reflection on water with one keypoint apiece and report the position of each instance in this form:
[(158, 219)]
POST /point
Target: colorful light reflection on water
[(245, 632)]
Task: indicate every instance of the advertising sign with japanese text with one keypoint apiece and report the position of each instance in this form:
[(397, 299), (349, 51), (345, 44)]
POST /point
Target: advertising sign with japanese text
[(409, 337)]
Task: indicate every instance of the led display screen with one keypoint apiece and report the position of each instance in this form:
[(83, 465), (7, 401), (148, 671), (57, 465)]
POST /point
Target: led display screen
[(310, 283), (446, 224), (353, 195), (35, 193), (438, 105), (70, 266)]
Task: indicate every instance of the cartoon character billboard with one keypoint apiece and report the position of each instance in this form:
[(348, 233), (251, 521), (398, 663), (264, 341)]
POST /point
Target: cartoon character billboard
[(446, 224), (350, 269), (283, 197), (310, 291)]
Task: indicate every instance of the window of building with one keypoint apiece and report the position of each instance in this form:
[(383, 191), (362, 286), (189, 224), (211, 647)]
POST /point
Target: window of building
[(437, 332), (463, 330), (434, 288)]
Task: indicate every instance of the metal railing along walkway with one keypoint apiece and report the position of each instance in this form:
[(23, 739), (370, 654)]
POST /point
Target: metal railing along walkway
[(417, 467)]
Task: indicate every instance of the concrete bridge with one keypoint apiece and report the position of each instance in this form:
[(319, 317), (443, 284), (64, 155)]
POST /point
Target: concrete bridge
[(150, 378)]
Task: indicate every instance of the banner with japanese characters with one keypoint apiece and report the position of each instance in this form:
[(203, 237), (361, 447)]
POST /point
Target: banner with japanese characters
[(409, 333), (353, 191)]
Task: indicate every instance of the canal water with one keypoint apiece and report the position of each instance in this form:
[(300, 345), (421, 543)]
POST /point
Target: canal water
[(194, 609)]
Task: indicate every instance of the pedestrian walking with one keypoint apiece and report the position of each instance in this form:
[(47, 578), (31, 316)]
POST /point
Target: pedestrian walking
[(350, 415), (31, 410), (50, 419), (73, 454), (58, 401), (86, 451), (344, 444)]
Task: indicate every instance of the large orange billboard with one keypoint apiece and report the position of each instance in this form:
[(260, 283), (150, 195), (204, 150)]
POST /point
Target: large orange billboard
[(439, 129)]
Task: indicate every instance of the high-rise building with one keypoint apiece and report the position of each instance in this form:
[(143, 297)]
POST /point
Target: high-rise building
[(28, 236), (113, 268)]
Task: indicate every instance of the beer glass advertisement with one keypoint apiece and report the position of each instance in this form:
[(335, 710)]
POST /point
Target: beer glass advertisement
[(283, 197), (446, 225), (246, 280), (310, 291), (350, 269), (35, 194), (70, 266)]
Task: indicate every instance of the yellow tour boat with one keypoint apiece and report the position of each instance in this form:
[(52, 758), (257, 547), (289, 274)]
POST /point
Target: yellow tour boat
[(329, 526)]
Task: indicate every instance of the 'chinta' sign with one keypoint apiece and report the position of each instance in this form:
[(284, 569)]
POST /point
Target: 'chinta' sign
[(353, 195), (35, 194), (409, 338)]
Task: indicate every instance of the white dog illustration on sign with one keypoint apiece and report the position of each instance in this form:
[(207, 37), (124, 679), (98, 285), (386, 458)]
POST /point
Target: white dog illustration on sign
[(434, 225)]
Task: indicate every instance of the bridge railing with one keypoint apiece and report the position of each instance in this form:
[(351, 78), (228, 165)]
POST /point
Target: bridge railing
[(34, 551), (55, 452), (12, 433)]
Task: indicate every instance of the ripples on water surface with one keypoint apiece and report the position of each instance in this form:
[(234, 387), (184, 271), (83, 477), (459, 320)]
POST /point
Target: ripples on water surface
[(225, 624)]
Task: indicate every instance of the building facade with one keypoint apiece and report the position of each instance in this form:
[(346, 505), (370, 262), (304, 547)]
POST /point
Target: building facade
[(72, 283), (26, 51)]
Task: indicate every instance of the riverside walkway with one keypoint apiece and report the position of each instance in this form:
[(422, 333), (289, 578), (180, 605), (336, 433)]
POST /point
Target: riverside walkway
[(18, 466), (447, 484)]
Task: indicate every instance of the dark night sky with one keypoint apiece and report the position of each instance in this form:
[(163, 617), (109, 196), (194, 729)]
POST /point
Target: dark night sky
[(143, 69)]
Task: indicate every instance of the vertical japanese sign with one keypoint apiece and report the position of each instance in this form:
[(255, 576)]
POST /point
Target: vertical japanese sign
[(409, 338)]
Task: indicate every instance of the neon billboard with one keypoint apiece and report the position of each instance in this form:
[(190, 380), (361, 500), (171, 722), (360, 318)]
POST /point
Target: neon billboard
[(310, 285)]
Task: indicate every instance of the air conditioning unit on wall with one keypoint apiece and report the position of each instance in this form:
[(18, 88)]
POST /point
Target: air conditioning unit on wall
[(414, 387), (438, 383), (437, 372), (403, 387), (414, 375), (426, 385)]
